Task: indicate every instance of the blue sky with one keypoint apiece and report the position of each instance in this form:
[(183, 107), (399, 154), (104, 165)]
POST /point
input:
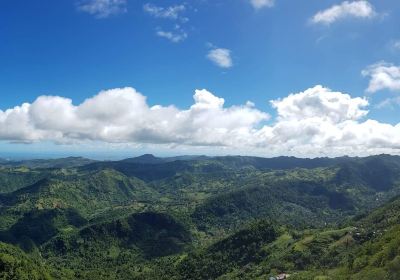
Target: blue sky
[(269, 49)]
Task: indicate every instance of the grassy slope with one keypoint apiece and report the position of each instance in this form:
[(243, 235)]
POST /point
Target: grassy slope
[(367, 249)]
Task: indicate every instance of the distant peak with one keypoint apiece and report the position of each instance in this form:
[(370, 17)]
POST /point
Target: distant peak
[(147, 156)]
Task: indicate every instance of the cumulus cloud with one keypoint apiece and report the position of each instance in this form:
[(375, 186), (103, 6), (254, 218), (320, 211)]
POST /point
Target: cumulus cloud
[(258, 4), (334, 107), (103, 8), (129, 119), (382, 76), (221, 57), (315, 122), (347, 9), (319, 121)]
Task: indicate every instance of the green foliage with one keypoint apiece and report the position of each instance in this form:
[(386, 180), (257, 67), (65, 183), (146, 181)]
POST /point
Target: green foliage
[(48, 163), (39, 226), (89, 193), (235, 251), (12, 179), (16, 265), (201, 218), (131, 240)]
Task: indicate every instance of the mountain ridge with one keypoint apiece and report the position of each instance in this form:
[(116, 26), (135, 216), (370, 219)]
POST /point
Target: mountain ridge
[(203, 217)]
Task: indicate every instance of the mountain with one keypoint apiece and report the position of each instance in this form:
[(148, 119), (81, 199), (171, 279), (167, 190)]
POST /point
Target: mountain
[(129, 240), (89, 193), (199, 217), (367, 248), (151, 159), (38, 226), (377, 172), (237, 250), (14, 178), (144, 159), (48, 163)]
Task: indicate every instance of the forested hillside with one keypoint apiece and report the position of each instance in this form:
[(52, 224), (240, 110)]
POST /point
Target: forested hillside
[(198, 217)]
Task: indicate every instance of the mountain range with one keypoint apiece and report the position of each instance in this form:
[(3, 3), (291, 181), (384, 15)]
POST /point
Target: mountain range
[(200, 217)]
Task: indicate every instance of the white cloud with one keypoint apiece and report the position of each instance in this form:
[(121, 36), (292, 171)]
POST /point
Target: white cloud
[(129, 119), (347, 9), (321, 122), (172, 12), (221, 57), (383, 76), (103, 8), (320, 102), (258, 4), (174, 37), (315, 122)]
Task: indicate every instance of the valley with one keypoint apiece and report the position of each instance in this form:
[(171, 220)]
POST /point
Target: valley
[(201, 217)]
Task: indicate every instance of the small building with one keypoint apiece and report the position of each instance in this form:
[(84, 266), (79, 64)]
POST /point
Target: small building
[(282, 276)]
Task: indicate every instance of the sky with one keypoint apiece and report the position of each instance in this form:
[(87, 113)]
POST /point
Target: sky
[(117, 78)]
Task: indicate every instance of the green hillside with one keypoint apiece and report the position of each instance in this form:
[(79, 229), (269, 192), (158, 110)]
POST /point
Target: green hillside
[(204, 218), (16, 265), (131, 240), (89, 193), (14, 178), (48, 163), (368, 248)]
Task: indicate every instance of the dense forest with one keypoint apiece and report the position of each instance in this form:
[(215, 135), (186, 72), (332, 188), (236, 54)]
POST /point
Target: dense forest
[(199, 217)]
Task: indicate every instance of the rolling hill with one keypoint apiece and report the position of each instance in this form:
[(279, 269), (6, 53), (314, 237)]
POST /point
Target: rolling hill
[(198, 217)]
